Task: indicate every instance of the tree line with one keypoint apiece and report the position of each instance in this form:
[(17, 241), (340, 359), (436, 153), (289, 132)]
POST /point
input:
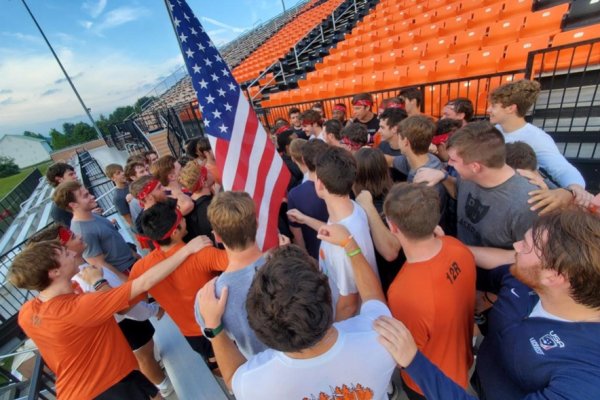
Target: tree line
[(81, 132)]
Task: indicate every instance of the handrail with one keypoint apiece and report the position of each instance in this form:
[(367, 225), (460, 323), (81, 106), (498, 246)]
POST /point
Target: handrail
[(304, 49)]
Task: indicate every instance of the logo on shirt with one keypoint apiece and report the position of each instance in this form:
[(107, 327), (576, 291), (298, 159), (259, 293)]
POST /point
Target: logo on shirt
[(474, 209), (547, 342), (357, 392)]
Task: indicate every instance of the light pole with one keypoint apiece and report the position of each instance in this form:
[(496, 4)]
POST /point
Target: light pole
[(87, 110)]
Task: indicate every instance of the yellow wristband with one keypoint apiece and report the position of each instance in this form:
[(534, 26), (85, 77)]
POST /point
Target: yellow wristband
[(354, 252)]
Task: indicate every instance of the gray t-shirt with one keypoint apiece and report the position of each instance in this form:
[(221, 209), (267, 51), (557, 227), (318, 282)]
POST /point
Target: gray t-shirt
[(120, 200), (102, 238), (135, 209), (494, 217), (401, 164), (235, 319)]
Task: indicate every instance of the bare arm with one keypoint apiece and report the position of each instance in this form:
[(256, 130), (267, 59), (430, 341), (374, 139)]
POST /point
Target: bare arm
[(298, 238), (184, 202), (433, 176), (490, 257), (385, 242), (100, 261), (368, 284), (346, 307), (228, 356), (296, 216)]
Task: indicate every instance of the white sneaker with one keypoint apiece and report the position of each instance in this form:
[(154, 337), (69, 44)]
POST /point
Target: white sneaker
[(166, 387)]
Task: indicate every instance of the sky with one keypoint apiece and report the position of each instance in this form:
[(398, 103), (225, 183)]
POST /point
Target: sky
[(115, 51)]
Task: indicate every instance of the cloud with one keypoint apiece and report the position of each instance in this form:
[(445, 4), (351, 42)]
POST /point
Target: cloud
[(94, 8), (114, 18), (86, 24), (23, 37), (61, 80), (5, 91), (50, 91), (9, 101), (108, 79)]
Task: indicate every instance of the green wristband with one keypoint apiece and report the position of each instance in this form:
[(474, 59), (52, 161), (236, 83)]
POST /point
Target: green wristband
[(354, 252)]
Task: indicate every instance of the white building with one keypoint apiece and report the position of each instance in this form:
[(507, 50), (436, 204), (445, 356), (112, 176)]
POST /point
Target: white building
[(25, 150)]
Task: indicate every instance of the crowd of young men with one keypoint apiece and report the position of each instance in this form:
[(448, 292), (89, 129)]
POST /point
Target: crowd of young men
[(400, 225)]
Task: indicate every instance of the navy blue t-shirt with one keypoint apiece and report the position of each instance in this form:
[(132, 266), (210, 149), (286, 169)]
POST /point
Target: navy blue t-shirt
[(304, 198)]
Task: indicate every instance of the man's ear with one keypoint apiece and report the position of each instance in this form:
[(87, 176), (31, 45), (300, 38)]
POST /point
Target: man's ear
[(511, 109), (73, 205)]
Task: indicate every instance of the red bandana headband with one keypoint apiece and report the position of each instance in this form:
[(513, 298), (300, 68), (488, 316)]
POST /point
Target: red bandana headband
[(147, 189), (282, 129), (339, 107), (64, 235), (365, 103), (353, 145), (175, 225), (395, 105), (201, 179)]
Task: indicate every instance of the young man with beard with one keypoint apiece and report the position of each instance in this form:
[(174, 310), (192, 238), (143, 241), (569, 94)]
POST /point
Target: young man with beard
[(544, 335)]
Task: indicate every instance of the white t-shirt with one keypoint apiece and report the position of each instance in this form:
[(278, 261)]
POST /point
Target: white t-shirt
[(334, 262), (139, 312), (356, 364)]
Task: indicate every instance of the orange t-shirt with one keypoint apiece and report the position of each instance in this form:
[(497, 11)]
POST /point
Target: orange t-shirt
[(80, 341), (435, 299), (177, 292)]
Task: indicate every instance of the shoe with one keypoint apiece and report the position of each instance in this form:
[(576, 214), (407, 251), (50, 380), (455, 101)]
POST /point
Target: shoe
[(166, 388)]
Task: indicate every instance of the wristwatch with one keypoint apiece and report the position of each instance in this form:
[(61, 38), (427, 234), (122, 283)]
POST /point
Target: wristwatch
[(211, 333)]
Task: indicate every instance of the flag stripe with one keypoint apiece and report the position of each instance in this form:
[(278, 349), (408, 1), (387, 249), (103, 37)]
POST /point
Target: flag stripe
[(248, 140)]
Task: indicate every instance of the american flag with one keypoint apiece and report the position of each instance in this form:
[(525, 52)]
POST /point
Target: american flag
[(245, 155)]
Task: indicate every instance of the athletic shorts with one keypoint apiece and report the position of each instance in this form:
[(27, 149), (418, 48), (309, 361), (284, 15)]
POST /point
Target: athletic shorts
[(137, 333), (134, 386), (202, 346)]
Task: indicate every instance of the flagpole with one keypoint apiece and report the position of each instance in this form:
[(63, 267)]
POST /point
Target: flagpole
[(87, 110)]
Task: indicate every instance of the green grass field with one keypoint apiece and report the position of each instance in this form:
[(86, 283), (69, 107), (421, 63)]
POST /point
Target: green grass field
[(8, 183)]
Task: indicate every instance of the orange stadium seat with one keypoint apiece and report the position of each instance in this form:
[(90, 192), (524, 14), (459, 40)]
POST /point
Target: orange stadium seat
[(439, 47), (516, 53), (504, 31), (471, 39), (576, 35), (451, 67), (486, 14), (458, 23), (485, 61), (420, 73), (515, 7), (545, 21), (413, 52)]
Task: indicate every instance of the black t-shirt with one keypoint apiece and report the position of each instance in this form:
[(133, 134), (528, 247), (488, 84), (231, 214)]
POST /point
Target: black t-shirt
[(300, 133), (387, 269), (61, 216), (372, 126), (385, 147), (197, 221)]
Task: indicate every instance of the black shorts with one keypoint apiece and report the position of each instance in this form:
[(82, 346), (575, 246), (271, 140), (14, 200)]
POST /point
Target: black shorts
[(201, 345), (134, 386), (137, 333)]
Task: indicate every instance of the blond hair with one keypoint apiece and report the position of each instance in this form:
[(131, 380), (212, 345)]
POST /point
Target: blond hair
[(189, 175), (233, 217)]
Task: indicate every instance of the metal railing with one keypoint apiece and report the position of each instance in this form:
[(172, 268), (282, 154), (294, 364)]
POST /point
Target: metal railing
[(435, 96), (10, 205)]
